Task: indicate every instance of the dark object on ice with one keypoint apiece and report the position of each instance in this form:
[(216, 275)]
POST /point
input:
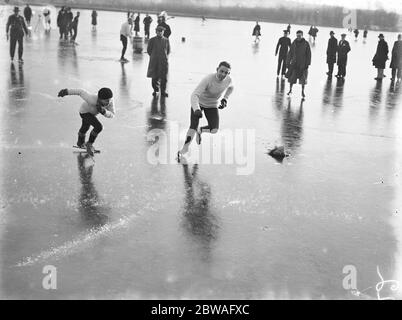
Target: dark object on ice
[(183, 39), (278, 153)]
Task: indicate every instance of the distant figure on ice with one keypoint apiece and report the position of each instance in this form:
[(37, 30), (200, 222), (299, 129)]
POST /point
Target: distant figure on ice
[(332, 49), (61, 21), (94, 22), (203, 20), (93, 105), (137, 24), (257, 32), (396, 62), (158, 50), (46, 15), (74, 27), (125, 34), (313, 32), (28, 14), (365, 32), (283, 46), (163, 24), (15, 30), (70, 18), (207, 97), (356, 32), (288, 28), (343, 50), (380, 57), (147, 23), (298, 61)]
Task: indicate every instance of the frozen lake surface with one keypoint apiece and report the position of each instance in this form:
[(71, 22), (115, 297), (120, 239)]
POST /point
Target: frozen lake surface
[(127, 227)]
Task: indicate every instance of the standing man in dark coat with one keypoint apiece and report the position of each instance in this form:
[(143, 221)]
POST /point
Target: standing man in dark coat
[(380, 57), (60, 19), (94, 22), (396, 62), (298, 61), (158, 50), (15, 30), (28, 14), (284, 44), (163, 24), (288, 28), (137, 24), (343, 50), (147, 23), (332, 49)]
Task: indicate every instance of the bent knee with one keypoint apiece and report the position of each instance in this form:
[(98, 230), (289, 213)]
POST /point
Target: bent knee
[(214, 130)]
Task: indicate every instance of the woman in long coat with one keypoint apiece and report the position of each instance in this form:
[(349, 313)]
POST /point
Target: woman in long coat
[(380, 57), (137, 24), (396, 62)]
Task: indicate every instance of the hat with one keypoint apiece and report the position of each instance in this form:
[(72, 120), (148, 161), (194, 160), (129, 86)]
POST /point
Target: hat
[(160, 28), (343, 34), (105, 93), (381, 35), (16, 9), (331, 32)]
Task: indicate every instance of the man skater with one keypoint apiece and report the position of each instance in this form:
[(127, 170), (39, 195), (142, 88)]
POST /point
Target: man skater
[(28, 14), (284, 44), (93, 105), (125, 33), (343, 50), (332, 49), (298, 61), (147, 23), (15, 30), (74, 27), (206, 97), (158, 50), (380, 57), (396, 62)]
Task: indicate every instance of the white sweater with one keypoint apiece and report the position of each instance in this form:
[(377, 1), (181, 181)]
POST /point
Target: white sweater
[(208, 93), (90, 102)]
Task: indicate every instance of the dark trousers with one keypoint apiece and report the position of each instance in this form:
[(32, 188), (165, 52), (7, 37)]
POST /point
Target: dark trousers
[(212, 115), (75, 30), (330, 67), (281, 61), (123, 39), (342, 69), (147, 32), (13, 43), (397, 73), (88, 119), (155, 84)]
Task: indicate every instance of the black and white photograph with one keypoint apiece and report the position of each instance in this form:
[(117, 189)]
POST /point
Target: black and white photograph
[(201, 150)]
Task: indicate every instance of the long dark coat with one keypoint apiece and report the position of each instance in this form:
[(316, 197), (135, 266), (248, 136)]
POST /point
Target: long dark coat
[(343, 50), (396, 62), (381, 55), (332, 49), (257, 30), (298, 60), (137, 23), (158, 50)]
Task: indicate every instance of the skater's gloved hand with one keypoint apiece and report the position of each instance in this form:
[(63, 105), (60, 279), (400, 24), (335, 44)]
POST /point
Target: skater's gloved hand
[(62, 93), (198, 113), (224, 103), (102, 110)]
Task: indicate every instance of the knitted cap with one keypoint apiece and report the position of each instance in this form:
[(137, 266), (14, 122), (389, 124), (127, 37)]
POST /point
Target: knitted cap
[(105, 93)]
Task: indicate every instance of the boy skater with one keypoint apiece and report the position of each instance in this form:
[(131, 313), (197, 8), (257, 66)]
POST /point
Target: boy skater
[(93, 104), (206, 98)]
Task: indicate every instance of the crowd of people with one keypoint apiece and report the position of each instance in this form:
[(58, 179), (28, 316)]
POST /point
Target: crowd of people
[(294, 59)]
